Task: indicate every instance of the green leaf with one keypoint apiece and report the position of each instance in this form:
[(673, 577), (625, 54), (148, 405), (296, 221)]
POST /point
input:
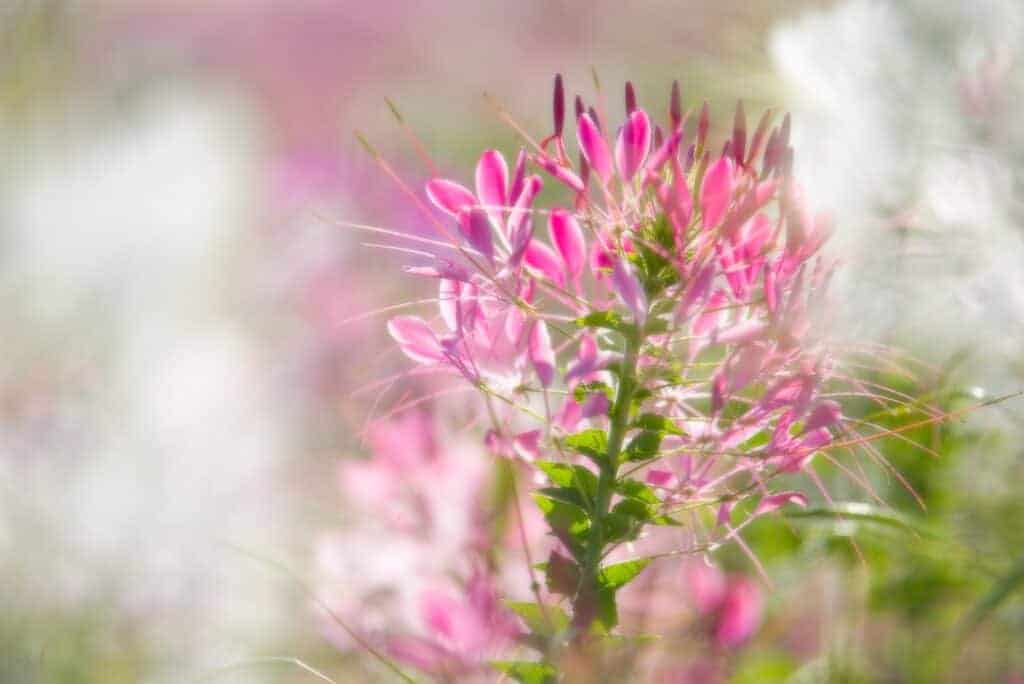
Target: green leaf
[(566, 495), (1000, 591), (619, 526), (544, 621), (592, 443), (583, 389), (634, 489), (527, 671), (610, 320), (861, 512), (568, 522), (620, 574), (644, 446), (575, 476), (654, 422)]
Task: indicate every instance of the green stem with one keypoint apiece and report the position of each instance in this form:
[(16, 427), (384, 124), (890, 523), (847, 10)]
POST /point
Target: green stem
[(586, 596)]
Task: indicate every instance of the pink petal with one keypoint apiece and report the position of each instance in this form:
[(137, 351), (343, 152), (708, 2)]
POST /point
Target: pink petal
[(449, 196), (716, 191), (629, 290), (448, 296), (492, 184), (597, 404), (567, 237), (527, 445), (824, 415), (520, 223), (740, 613), (633, 144), (594, 148), (543, 259), (542, 356), (696, 292), (416, 339), (518, 177), (767, 504), (476, 228), (706, 585), (561, 173), (660, 478)]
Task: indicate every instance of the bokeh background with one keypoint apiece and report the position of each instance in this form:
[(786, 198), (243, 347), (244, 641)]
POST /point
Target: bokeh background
[(186, 364)]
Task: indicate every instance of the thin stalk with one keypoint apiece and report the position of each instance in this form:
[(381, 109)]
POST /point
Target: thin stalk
[(587, 593)]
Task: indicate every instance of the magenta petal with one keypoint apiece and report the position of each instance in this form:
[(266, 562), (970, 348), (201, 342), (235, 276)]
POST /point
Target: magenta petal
[(542, 356), (594, 147), (716, 191), (492, 184), (448, 296), (476, 228), (630, 291), (567, 237), (520, 222), (826, 414), (561, 173), (633, 144), (449, 196), (767, 504), (543, 259), (740, 613), (416, 339)]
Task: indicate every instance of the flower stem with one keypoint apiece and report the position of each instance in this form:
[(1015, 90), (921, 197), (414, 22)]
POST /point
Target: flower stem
[(585, 601)]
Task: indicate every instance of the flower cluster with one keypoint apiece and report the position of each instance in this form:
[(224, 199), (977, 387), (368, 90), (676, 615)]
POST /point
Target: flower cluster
[(652, 356)]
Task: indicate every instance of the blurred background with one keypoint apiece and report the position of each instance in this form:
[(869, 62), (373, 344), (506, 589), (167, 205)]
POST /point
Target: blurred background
[(186, 364)]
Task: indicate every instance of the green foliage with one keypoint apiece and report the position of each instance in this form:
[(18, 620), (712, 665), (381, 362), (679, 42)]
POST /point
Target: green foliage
[(592, 443), (526, 671)]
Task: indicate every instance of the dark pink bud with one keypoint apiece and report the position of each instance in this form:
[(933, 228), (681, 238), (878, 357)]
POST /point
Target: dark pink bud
[(702, 125), (558, 105), (675, 106), (784, 133), (659, 137), (739, 134), (630, 98), (594, 117), (578, 107), (759, 135)]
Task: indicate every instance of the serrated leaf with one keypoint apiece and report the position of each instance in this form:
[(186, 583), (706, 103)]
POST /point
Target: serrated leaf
[(592, 443), (644, 446), (541, 620), (620, 574), (657, 423), (610, 320), (634, 489), (568, 522), (574, 476), (566, 495), (527, 671)]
